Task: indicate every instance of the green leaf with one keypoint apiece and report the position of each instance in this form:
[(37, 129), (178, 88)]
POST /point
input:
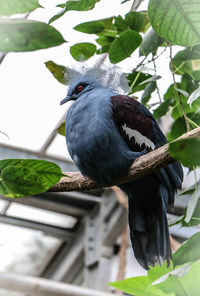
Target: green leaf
[(192, 205), (82, 51), (78, 5), (188, 83), (159, 270), (183, 62), (120, 24), (27, 35), (61, 129), (189, 110), (135, 80), (186, 151), (61, 73), (139, 286), (188, 252), (187, 191), (94, 27), (90, 27), (104, 40), (176, 220), (135, 21), (183, 92), (150, 43), (124, 45), (23, 177), (148, 91), (179, 125), (57, 15), (178, 128), (176, 21), (194, 96), (9, 7), (190, 53), (153, 78), (162, 109), (103, 49), (62, 5), (185, 283), (195, 218), (170, 93)]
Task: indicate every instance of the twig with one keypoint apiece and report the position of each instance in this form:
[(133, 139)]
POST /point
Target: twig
[(157, 56), (155, 70), (140, 64), (174, 243), (149, 61), (122, 257), (141, 167), (2, 56), (120, 196), (122, 200)]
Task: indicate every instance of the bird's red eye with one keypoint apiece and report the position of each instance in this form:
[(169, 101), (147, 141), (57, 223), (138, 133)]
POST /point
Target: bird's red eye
[(79, 88)]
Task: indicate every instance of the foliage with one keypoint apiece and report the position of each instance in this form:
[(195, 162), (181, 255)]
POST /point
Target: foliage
[(178, 15), (80, 5), (182, 150), (9, 7), (82, 51), (23, 177), (26, 35), (150, 34), (173, 280)]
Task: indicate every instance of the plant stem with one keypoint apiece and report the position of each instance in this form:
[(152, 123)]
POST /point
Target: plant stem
[(136, 4), (177, 94)]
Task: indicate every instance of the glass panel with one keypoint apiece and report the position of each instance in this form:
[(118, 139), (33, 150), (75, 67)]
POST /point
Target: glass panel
[(40, 215), (25, 251)]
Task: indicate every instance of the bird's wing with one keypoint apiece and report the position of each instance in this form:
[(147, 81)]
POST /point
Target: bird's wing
[(140, 131), (136, 124)]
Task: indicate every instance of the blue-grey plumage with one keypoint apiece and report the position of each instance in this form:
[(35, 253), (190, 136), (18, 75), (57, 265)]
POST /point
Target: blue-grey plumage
[(92, 138), (105, 133)]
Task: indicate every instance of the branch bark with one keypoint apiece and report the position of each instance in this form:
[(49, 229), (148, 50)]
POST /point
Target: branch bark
[(141, 167)]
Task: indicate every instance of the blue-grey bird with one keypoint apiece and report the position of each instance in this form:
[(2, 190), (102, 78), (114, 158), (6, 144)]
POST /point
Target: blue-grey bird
[(105, 133)]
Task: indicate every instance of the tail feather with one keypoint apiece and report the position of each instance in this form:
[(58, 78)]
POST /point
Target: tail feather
[(151, 245), (148, 199), (175, 174), (149, 230)]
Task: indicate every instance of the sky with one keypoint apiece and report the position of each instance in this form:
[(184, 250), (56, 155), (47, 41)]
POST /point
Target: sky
[(30, 96)]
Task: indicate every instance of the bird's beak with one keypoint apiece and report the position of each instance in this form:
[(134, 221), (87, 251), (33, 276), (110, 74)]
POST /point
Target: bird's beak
[(65, 100)]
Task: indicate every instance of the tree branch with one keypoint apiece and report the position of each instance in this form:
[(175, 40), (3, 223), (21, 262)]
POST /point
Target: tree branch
[(141, 167)]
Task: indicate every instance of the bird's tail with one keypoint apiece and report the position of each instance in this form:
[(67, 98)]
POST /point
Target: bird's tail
[(149, 231)]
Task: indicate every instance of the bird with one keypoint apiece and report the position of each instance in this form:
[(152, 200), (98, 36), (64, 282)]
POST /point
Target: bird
[(105, 133)]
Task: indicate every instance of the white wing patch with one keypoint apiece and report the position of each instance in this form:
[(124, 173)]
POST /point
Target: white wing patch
[(139, 138)]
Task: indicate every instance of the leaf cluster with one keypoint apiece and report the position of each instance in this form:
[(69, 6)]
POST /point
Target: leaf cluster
[(20, 34), (25, 177), (117, 36), (178, 279)]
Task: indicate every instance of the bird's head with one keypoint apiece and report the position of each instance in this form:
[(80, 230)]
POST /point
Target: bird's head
[(77, 89), (91, 79)]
